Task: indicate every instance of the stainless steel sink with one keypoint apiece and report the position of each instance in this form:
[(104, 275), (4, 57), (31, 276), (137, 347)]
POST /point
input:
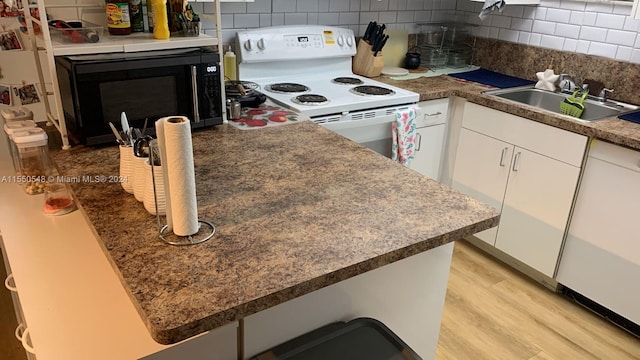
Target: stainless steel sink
[(550, 101)]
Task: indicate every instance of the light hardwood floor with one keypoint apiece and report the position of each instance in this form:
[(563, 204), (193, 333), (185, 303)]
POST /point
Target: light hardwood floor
[(492, 312)]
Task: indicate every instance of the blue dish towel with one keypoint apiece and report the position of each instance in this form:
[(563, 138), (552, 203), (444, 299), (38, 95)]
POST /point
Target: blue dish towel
[(489, 6), (404, 136), (492, 78), (633, 117)]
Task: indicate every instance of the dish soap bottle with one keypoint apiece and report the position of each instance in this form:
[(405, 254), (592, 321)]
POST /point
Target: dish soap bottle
[(230, 71), (160, 21)]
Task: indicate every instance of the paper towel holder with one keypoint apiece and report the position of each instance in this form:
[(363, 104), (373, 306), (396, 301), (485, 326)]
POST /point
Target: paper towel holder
[(164, 233)]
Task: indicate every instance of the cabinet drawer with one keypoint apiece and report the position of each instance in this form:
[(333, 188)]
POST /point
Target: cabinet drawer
[(432, 112), (615, 154), (547, 140)]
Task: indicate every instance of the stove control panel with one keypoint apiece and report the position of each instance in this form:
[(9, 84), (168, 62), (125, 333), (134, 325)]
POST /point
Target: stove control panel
[(295, 42)]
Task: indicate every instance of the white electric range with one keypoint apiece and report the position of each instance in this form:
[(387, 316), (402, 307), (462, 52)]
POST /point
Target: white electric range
[(307, 69)]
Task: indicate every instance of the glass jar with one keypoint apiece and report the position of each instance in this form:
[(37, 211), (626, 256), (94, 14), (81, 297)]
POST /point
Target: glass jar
[(11, 127), (32, 158)]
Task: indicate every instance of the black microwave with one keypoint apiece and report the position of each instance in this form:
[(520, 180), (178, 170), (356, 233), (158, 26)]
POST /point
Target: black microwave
[(95, 89)]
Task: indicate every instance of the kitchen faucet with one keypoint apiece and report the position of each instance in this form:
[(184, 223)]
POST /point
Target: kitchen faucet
[(568, 85)]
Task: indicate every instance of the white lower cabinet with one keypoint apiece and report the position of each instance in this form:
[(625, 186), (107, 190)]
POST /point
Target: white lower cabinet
[(536, 208), (411, 308), (217, 344), (430, 132), (601, 256), (21, 332), (527, 170)]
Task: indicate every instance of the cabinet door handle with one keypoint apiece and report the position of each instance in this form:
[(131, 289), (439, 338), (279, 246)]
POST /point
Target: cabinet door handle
[(503, 156), (434, 114), (10, 283), (418, 141), (25, 342), (516, 161)]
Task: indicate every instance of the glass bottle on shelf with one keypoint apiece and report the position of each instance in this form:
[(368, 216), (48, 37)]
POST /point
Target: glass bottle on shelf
[(118, 17), (137, 18)]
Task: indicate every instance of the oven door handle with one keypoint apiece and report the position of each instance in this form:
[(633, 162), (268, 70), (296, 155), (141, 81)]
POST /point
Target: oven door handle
[(194, 93)]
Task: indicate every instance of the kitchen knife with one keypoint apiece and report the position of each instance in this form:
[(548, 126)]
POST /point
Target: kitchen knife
[(380, 32), (369, 32), (380, 45), (125, 126), (116, 133)]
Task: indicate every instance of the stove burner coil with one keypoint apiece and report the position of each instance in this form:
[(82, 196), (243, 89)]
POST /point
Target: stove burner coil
[(287, 88), (310, 99), (371, 90), (347, 81)]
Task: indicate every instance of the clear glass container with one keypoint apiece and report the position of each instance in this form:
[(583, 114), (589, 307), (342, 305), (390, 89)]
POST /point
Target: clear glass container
[(57, 198), (32, 159), (11, 127)]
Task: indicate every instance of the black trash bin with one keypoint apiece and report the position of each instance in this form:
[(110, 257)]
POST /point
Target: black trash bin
[(358, 339)]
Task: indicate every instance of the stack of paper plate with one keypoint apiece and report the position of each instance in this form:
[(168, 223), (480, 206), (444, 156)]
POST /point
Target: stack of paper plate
[(394, 71)]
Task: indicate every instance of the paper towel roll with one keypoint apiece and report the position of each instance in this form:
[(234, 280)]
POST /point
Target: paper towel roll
[(176, 154)]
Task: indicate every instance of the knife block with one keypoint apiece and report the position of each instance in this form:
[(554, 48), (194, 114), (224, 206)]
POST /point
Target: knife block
[(364, 63)]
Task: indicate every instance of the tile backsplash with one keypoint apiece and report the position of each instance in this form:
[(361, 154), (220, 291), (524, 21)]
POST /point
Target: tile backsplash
[(593, 28), (586, 27), (353, 14)]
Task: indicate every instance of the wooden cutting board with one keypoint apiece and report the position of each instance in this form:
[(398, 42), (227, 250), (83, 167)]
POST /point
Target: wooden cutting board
[(395, 48)]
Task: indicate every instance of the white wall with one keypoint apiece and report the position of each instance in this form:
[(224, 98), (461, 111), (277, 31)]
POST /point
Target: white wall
[(603, 29)]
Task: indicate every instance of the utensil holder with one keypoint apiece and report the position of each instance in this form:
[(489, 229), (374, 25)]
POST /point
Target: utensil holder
[(139, 177), (206, 229), (126, 168), (365, 63)]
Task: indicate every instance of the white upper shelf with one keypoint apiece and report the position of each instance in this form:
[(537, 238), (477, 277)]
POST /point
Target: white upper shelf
[(132, 43)]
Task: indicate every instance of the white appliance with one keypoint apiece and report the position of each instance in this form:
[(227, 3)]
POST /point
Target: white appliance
[(308, 69), (601, 256)]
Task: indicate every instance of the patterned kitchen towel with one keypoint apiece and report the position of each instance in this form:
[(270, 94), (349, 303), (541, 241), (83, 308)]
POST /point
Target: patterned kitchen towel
[(404, 136), (489, 6)]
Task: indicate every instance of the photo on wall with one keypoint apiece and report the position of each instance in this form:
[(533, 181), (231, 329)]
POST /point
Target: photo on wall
[(5, 94), (27, 94), (9, 40)]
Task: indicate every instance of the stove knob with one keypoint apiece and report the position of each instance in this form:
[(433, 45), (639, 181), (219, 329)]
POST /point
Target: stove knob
[(341, 40), (261, 44), (247, 45), (349, 41)]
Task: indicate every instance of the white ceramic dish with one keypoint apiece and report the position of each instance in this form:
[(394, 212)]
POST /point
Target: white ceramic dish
[(394, 71)]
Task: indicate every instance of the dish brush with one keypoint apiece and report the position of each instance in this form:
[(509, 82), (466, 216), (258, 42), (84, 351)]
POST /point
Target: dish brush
[(573, 105)]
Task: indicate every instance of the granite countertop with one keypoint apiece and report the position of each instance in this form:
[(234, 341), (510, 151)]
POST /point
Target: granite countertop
[(611, 129), (296, 208)]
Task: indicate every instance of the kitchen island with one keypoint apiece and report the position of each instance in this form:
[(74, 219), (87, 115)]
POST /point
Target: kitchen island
[(297, 209)]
